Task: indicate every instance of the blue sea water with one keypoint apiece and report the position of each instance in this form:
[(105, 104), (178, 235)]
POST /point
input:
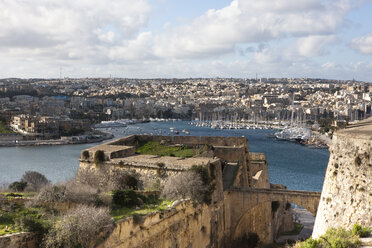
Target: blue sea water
[(296, 166)]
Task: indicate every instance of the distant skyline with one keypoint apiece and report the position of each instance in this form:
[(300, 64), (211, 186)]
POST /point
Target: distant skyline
[(329, 39)]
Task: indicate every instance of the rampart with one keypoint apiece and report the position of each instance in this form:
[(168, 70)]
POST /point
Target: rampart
[(235, 209), (347, 191), (182, 226)]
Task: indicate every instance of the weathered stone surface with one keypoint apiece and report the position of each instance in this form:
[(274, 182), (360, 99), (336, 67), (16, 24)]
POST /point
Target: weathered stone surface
[(347, 191), (24, 240), (184, 226), (250, 209)]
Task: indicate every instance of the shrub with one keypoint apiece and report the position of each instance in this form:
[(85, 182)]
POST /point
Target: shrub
[(68, 192), (80, 227), (94, 178), (30, 223), (18, 186), (125, 198), (85, 154), (309, 243), (185, 185), (340, 238), (153, 185), (108, 179), (34, 180), (333, 238), (361, 231), (99, 157), (202, 171), (249, 240), (120, 180)]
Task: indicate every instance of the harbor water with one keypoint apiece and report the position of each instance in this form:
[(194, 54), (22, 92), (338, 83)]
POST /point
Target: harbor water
[(296, 166)]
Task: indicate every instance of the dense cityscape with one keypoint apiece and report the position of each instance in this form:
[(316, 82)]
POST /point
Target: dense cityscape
[(63, 107), (186, 124)]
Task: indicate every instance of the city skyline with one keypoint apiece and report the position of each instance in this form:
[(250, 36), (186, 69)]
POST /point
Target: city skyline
[(168, 38)]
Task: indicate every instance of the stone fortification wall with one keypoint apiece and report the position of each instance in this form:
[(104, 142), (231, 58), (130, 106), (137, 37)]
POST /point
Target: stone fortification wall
[(229, 154), (184, 226), (123, 153), (259, 170), (126, 146), (347, 191), (203, 226), (186, 140)]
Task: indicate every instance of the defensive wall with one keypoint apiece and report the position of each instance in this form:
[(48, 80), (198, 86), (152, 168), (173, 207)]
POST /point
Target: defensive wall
[(243, 201), (347, 190), (183, 226), (246, 203)]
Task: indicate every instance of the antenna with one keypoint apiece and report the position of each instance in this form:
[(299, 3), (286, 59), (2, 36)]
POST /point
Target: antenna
[(60, 72)]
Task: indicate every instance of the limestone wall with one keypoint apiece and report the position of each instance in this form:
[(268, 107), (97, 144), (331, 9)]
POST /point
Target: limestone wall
[(347, 191), (259, 170), (123, 153), (184, 226), (229, 154), (186, 140)]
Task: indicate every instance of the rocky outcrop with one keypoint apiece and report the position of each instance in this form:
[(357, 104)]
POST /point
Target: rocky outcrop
[(347, 191)]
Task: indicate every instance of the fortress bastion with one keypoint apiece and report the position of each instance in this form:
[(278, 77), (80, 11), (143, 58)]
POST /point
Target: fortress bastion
[(347, 191)]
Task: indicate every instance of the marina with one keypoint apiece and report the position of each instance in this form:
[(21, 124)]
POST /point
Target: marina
[(289, 163)]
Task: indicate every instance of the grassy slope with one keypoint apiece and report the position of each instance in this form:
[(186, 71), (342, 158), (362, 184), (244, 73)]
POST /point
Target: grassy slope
[(122, 213), (9, 219), (154, 148)]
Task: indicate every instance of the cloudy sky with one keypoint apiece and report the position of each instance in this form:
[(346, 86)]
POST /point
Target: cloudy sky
[(193, 38)]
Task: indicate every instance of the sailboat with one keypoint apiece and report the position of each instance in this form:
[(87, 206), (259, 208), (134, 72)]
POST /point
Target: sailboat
[(294, 132), (172, 127)]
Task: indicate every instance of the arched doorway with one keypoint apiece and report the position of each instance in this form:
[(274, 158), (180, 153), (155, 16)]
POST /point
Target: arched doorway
[(272, 218)]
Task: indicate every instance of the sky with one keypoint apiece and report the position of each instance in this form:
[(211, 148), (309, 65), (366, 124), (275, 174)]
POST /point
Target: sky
[(329, 39)]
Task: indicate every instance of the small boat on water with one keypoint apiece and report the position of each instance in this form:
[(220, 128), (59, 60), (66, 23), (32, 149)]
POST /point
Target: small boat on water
[(299, 134), (186, 131), (111, 124)]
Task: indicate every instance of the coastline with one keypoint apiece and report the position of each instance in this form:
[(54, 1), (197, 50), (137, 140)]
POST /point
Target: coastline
[(99, 136)]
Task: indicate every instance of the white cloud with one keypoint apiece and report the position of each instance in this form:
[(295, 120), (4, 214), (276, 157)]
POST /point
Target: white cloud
[(363, 44), (67, 28), (313, 45), (98, 38), (246, 21), (136, 49)]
